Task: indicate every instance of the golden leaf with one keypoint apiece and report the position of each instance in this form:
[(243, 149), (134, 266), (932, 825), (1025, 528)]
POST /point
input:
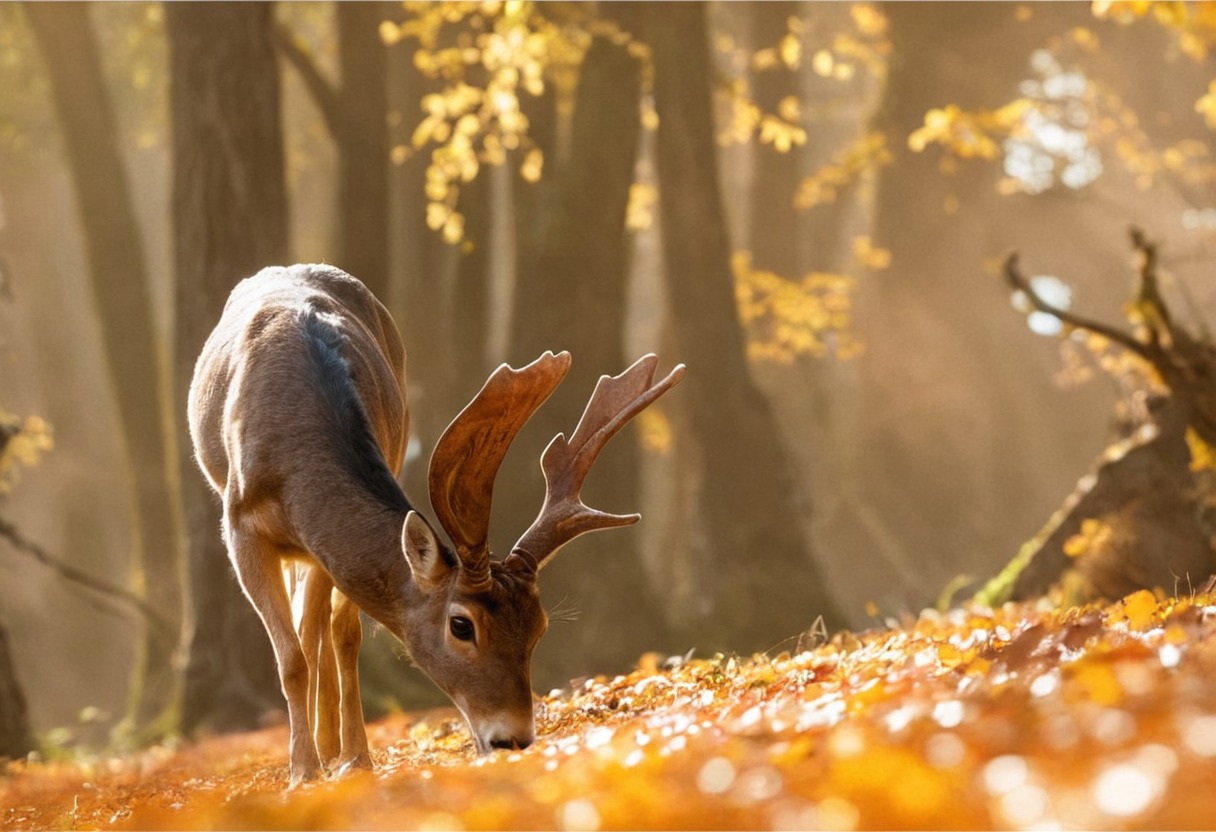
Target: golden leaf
[(639, 212), (870, 256), (1139, 609), (1093, 536), (650, 116), (28, 439), (532, 165), (822, 63), (868, 19), (390, 32), (437, 215), (790, 108), (453, 228), (655, 430), (790, 50), (764, 59), (1203, 455), (1097, 682), (1207, 106)]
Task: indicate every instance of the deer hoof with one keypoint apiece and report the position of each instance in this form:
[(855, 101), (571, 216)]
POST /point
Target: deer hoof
[(303, 775), (360, 762)]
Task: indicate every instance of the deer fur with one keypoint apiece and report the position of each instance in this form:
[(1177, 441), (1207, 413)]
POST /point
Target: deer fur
[(299, 420)]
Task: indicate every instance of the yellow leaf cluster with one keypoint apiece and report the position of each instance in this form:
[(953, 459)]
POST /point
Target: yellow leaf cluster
[(746, 119), (1187, 159), (23, 443), (787, 318), (1206, 106), (787, 53), (1203, 455), (499, 53), (1193, 24), (865, 154), (836, 56), (870, 256), (969, 134)]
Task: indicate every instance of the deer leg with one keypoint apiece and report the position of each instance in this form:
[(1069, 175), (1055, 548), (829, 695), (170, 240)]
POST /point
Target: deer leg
[(317, 642), (260, 572), (348, 635)]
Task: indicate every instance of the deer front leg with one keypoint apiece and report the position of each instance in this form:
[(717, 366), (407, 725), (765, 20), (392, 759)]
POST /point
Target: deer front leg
[(260, 572), (317, 641), (348, 635)]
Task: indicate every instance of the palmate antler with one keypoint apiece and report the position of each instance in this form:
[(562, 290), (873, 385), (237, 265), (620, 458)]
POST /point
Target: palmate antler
[(565, 463), (468, 454)]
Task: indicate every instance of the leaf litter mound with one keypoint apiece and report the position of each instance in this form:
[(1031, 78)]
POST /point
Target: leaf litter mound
[(1018, 717)]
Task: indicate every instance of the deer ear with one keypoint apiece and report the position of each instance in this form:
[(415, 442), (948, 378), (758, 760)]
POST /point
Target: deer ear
[(423, 552)]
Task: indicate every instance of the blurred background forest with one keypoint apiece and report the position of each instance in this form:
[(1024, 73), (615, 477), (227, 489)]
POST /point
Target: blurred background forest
[(807, 203)]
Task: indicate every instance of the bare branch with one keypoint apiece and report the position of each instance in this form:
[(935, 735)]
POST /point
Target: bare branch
[(84, 579), (1019, 282), (1150, 288), (324, 94)]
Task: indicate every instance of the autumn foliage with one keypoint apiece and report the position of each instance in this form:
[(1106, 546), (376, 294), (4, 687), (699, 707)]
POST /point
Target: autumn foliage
[(1092, 717)]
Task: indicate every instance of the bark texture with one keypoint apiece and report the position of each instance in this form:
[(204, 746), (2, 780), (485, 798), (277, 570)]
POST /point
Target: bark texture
[(732, 424), (229, 219), (134, 354)]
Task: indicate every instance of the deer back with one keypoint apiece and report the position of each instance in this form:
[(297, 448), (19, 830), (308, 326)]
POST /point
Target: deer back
[(298, 403)]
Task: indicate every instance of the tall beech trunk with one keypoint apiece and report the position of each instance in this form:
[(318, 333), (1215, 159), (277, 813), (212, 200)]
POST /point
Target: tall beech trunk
[(355, 111), (229, 219), (576, 299), (774, 224), (765, 583), (134, 355), (363, 145), (469, 297)]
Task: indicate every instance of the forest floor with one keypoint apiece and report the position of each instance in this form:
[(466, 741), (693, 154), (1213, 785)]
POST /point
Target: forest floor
[(1097, 717)]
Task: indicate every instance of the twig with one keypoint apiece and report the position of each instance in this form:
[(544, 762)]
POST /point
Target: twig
[(1150, 287), (78, 576), (1018, 281)]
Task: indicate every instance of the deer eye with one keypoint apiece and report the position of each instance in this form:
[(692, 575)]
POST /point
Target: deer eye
[(461, 627)]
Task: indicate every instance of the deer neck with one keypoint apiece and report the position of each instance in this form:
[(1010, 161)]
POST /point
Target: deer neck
[(358, 542)]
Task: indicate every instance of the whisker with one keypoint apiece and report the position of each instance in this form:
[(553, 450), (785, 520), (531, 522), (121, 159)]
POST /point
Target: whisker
[(564, 610)]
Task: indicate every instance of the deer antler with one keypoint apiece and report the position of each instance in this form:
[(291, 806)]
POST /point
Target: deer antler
[(565, 463), (467, 456)]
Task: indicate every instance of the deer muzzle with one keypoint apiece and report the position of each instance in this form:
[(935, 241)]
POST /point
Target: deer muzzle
[(502, 732)]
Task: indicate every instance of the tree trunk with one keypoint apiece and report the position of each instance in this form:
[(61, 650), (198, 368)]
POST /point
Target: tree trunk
[(15, 738), (758, 565), (355, 111), (134, 353), (423, 263), (576, 300), (469, 296), (1145, 517), (363, 145), (1149, 534), (230, 219)]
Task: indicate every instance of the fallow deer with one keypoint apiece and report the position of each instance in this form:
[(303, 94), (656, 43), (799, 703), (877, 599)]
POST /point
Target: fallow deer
[(299, 421)]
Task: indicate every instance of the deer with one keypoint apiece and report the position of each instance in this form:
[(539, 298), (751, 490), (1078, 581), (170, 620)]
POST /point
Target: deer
[(299, 420)]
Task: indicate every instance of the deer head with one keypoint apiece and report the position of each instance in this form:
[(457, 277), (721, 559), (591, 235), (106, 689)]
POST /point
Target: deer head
[(477, 619)]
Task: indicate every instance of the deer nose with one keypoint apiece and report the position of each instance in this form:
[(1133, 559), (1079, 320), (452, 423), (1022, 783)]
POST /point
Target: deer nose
[(514, 744)]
